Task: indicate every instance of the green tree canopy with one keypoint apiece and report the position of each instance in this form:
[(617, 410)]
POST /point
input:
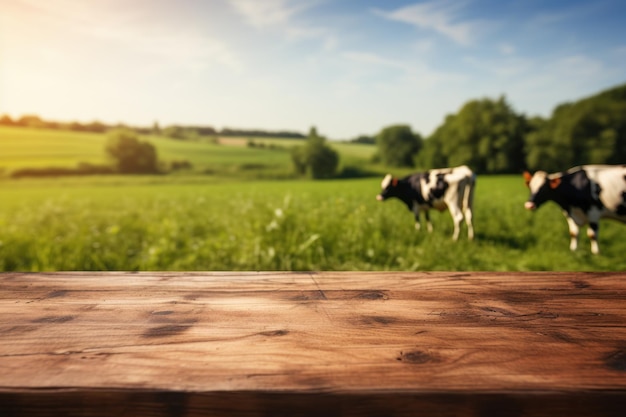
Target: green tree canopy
[(130, 155), (315, 158), (398, 145), (486, 135), (589, 131)]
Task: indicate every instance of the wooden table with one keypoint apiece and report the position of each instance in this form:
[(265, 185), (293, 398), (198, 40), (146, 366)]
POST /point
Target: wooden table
[(318, 344)]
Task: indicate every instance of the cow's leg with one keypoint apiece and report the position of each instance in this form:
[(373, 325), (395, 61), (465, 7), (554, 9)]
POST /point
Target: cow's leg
[(468, 202), (429, 225), (592, 234), (470, 226), (593, 216), (573, 233), (457, 218), (416, 214)]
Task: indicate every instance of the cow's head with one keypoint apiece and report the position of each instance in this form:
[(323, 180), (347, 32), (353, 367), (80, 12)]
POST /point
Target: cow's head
[(389, 187), (541, 186)]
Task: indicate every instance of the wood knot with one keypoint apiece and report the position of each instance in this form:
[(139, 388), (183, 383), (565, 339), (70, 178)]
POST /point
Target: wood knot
[(372, 295), (165, 331), (54, 319), (616, 360), (581, 284), (162, 313), (57, 293), (416, 357), (281, 332), (498, 310)]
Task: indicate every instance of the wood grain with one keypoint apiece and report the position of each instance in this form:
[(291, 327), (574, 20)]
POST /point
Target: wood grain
[(332, 343)]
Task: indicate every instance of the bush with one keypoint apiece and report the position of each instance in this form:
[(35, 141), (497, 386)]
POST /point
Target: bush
[(315, 158), (130, 155)]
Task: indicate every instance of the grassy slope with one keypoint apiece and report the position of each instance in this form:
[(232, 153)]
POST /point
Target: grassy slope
[(21, 147), (38, 148)]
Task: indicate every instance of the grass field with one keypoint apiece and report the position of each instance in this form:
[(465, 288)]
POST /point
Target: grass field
[(216, 218), (40, 148), (207, 223), (37, 148)]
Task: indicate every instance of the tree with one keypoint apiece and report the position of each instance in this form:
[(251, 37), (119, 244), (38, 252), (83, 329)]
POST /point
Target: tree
[(130, 155), (541, 150), (6, 120), (96, 126), (364, 139), (588, 131), (397, 146), (315, 157), (486, 135), (31, 120), (156, 129)]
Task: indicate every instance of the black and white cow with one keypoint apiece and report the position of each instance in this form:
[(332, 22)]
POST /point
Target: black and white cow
[(586, 194), (447, 188)]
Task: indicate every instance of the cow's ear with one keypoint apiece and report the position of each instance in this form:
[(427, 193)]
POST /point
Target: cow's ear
[(555, 182), (394, 182), (527, 177)]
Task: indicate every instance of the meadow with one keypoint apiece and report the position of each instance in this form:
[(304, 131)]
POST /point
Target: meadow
[(223, 215), (199, 223), (221, 156)]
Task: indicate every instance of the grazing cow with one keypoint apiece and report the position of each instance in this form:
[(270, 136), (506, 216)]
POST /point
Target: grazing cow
[(586, 194), (451, 188)]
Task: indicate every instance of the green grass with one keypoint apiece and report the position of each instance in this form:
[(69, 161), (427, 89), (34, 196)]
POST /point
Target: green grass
[(38, 148), (42, 148), (206, 223), (194, 221)]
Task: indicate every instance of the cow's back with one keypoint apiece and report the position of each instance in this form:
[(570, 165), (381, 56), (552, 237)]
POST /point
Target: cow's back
[(444, 186), (611, 182), (451, 175)]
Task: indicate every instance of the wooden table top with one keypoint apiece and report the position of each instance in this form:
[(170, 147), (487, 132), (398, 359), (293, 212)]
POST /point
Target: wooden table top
[(326, 343)]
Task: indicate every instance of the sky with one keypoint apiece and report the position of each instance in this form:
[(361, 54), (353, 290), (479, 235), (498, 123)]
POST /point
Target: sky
[(347, 67)]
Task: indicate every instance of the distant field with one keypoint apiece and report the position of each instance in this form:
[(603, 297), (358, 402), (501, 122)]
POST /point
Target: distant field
[(350, 150), (40, 148), (206, 223)]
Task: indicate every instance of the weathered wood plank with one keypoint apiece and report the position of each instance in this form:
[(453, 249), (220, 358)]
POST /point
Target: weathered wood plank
[(310, 343)]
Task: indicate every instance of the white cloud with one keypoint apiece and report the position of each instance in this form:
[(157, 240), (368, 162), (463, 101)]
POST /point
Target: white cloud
[(280, 15), (410, 75), (115, 20), (264, 13), (187, 50), (441, 16)]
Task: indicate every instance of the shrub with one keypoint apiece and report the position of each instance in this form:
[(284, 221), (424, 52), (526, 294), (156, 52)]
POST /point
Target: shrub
[(130, 155), (315, 158)]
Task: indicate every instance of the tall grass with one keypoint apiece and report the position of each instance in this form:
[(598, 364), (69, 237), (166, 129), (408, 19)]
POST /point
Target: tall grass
[(143, 223)]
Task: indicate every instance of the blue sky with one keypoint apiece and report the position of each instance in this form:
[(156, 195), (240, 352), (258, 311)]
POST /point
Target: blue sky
[(347, 67)]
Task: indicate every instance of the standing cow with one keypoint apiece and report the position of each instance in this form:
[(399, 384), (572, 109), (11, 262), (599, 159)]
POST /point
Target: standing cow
[(586, 194), (451, 188)]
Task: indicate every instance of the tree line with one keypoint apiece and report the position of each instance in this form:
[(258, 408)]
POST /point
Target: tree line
[(183, 132), (486, 134), (489, 136)]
